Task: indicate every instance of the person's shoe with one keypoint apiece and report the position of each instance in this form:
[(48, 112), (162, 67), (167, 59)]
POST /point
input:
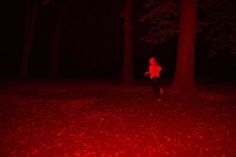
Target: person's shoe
[(161, 91)]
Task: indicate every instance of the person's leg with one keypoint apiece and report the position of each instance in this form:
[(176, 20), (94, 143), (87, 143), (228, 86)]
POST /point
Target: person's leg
[(156, 87)]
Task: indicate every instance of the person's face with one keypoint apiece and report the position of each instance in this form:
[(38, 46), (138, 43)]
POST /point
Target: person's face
[(152, 61)]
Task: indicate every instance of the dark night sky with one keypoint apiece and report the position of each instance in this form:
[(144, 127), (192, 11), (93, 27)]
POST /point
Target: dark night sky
[(91, 45)]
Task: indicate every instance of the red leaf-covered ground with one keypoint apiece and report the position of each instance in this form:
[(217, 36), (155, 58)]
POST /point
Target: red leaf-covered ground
[(69, 119)]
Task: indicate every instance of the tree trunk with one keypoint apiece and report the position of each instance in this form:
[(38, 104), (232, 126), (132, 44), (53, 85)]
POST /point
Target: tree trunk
[(127, 75), (184, 79), (56, 39), (32, 11)]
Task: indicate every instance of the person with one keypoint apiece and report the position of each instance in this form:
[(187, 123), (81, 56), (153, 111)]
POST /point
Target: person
[(154, 72)]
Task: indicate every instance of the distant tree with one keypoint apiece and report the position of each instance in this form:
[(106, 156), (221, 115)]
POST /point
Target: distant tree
[(127, 13), (60, 9), (32, 9)]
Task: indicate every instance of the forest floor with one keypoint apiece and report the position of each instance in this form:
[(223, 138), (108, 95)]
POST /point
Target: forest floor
[(70, 119)]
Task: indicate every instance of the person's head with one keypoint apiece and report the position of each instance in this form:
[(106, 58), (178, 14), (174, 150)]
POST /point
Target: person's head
[(152, 60)]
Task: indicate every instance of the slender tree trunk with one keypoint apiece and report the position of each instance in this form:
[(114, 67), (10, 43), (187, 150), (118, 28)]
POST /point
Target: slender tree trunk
[(184, 79), (32, 11), (128, 41), (56, 40)]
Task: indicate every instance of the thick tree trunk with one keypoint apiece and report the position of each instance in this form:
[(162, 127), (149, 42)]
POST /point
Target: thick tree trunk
[(56, 40), (127, 75), (184, 79), (32, 11)]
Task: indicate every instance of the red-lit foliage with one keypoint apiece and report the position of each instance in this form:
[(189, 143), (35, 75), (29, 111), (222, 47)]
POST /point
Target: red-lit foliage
[(216, 20)]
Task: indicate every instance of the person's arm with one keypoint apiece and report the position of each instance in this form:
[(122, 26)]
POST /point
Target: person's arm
[(146, 73)]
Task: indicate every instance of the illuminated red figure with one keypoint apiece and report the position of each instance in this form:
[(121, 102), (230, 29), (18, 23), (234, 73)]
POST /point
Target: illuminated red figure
[(154, 71)]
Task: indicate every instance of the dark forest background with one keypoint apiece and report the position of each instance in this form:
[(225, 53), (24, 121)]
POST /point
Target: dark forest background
[(92, 44)]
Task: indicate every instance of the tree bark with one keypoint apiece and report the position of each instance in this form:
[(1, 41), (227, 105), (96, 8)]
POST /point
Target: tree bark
[(127, 75), (32, 12), (184, 78), (56, 40)]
